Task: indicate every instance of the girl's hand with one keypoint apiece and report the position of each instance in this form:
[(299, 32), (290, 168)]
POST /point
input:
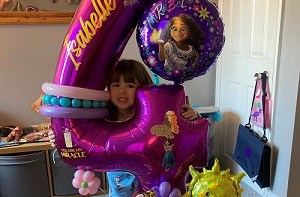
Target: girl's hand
[(189, 112), (51, 137)]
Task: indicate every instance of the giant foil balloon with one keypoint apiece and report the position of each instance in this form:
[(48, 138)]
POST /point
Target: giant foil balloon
[(205, 40), (76, 99), (133, 145)]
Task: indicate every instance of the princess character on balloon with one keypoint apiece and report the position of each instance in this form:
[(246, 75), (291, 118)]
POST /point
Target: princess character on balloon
[(168, 161), (183, 37)]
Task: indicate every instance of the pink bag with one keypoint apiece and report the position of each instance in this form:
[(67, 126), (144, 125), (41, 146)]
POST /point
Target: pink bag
[(257, 110)]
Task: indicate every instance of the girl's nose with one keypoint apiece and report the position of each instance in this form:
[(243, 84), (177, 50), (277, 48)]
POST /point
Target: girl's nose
[(123, 89)]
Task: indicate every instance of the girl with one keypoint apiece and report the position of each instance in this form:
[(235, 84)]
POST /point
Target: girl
[(182, 36), (127, 75)]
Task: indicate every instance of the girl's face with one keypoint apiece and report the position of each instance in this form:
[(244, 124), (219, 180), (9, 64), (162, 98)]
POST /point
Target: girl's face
[(179, 31), (122, 95)]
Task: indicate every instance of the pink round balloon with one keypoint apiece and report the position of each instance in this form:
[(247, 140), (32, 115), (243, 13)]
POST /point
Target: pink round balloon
[(88, 176)]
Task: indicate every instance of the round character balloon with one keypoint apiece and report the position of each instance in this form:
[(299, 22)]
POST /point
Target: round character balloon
[(180, 40)]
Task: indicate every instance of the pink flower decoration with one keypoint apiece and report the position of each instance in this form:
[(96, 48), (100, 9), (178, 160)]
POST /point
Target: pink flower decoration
[(86, 182), (151, 60)]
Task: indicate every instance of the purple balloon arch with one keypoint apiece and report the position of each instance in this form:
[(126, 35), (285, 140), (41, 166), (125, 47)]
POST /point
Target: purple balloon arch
[(154, 22)]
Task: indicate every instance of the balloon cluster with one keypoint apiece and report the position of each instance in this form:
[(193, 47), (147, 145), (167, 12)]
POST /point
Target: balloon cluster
[(93, 44)]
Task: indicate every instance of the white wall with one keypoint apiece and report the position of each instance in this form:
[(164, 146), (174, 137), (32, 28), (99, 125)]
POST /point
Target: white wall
[(29, 54), (286, 102), (28, 59)]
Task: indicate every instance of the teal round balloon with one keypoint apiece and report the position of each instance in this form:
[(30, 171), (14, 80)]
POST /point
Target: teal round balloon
[(96, 104), (103, 104), (65, 102), (87, 103), (76, 103), (47, 99), (55, 101)]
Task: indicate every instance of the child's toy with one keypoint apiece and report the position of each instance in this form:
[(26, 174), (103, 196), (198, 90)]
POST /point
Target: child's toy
[(15, 134), (214, 183)]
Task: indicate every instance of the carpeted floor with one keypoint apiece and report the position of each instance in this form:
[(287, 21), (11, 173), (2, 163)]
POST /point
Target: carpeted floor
[(248, 191)]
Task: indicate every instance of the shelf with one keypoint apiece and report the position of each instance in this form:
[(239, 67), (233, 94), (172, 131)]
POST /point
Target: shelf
[(14, 17), (26, 147)]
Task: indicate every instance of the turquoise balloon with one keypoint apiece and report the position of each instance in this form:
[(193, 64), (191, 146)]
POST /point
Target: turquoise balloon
[(65, 102), (76, 103), (48, 99), (55, 101), (96, 104), (87, 103), (44, 97), (103, 104)]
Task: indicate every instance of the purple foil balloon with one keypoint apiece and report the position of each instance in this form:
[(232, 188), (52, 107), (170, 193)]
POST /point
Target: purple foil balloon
[(154, 24), (105, 146), (94, 42)]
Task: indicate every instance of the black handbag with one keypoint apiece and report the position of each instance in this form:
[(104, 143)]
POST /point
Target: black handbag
[(252, 152)]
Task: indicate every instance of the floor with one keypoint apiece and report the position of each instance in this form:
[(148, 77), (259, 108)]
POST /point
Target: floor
[(248, 192)]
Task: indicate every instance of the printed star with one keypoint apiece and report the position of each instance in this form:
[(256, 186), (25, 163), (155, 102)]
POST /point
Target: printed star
[(2, 3), (203, 13)]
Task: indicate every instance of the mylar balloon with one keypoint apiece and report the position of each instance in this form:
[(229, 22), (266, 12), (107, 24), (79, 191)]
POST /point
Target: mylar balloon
[(94, 42), (186, 56), (100, 145), (214, 182)]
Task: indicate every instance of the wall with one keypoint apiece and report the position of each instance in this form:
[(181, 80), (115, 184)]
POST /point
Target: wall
[(29, 54), (28, 58), (286, 102)]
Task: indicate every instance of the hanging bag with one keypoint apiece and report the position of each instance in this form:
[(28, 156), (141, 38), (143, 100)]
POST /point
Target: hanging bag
[(252, 152), (260, 116)]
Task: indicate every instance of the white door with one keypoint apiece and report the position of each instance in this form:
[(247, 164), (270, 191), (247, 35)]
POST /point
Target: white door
[(251, 46)]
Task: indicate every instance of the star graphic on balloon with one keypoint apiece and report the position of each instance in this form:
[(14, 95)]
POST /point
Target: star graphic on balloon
[(203, 13), (2, 3)]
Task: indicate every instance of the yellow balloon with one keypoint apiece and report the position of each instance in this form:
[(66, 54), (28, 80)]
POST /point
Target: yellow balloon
[(214, 183)]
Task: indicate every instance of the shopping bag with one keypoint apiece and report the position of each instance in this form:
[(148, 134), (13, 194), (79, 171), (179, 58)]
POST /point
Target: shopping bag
[(253, 154)]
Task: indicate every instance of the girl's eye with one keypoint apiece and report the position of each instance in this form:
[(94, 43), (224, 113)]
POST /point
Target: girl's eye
[(173, 28), (131, 85), (115, 85), (183, 29)]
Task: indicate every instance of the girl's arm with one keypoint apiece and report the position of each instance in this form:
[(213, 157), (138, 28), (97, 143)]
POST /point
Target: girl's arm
[(51, 137)]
